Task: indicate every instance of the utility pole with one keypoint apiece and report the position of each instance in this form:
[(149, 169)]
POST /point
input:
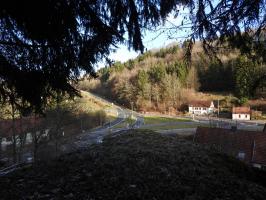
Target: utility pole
[(218, 108)]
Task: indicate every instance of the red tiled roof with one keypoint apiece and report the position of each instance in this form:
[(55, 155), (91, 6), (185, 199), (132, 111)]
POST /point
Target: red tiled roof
[(241, 110), (200, 103), (252, 143)]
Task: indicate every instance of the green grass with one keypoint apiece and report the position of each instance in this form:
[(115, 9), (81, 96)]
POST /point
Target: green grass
[(174, 126), (158, 120), (180, 126)]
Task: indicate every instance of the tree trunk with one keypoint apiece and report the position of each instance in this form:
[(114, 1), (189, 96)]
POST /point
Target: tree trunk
[(35, 148), (21, 140), (14, 139), (0, 147)]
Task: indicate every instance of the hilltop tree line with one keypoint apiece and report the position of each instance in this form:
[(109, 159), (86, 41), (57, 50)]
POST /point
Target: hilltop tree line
[(162, 80)]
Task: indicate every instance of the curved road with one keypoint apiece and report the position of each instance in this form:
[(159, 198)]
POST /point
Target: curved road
[(96, 135), (82, 140)]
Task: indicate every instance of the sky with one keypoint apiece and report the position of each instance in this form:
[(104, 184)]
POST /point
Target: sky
[(155, 39)]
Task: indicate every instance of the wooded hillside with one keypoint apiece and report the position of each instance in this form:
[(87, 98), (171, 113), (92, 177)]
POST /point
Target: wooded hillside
[(163, 79)]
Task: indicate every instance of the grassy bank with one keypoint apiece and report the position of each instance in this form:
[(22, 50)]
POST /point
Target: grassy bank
[(158, 120), (138, 165), (173, 126)]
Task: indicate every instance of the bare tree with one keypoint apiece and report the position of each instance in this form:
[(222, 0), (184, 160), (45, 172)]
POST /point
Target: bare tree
[(21, 137)]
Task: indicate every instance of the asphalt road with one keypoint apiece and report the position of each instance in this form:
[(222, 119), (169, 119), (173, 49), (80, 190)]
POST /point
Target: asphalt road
[(96, 135)]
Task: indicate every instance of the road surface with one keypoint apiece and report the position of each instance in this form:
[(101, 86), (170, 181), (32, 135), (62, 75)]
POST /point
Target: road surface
[(96, 135)]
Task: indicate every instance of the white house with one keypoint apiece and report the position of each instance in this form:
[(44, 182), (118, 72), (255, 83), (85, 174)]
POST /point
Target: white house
[(241, 113), (201, 107)]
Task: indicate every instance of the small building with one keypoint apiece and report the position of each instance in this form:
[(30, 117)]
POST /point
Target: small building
[(241, 113), (247, 146), (201, 107)]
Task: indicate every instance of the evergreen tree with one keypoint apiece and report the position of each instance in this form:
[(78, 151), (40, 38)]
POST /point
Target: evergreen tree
[(45, 45), (245, 76), (143, 85), (180, 70), (157, 73)]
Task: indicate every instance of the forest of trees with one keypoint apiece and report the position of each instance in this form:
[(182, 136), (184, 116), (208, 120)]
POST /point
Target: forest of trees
[(162, 80)]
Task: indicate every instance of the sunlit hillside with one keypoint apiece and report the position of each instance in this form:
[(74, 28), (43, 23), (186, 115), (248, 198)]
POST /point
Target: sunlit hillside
[(165, 79)]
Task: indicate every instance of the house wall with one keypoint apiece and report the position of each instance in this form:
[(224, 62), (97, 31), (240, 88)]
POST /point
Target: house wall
[(241, 116), (199, 110)]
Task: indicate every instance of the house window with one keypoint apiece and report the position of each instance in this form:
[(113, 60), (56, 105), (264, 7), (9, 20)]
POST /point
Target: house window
[(239, 116), (246, 116)]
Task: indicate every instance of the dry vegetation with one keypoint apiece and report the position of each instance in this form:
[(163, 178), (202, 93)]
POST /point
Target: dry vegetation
[(138, 165), (161, 81)]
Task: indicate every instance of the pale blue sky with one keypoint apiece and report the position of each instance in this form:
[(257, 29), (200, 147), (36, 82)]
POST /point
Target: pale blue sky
[(153, 39)]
